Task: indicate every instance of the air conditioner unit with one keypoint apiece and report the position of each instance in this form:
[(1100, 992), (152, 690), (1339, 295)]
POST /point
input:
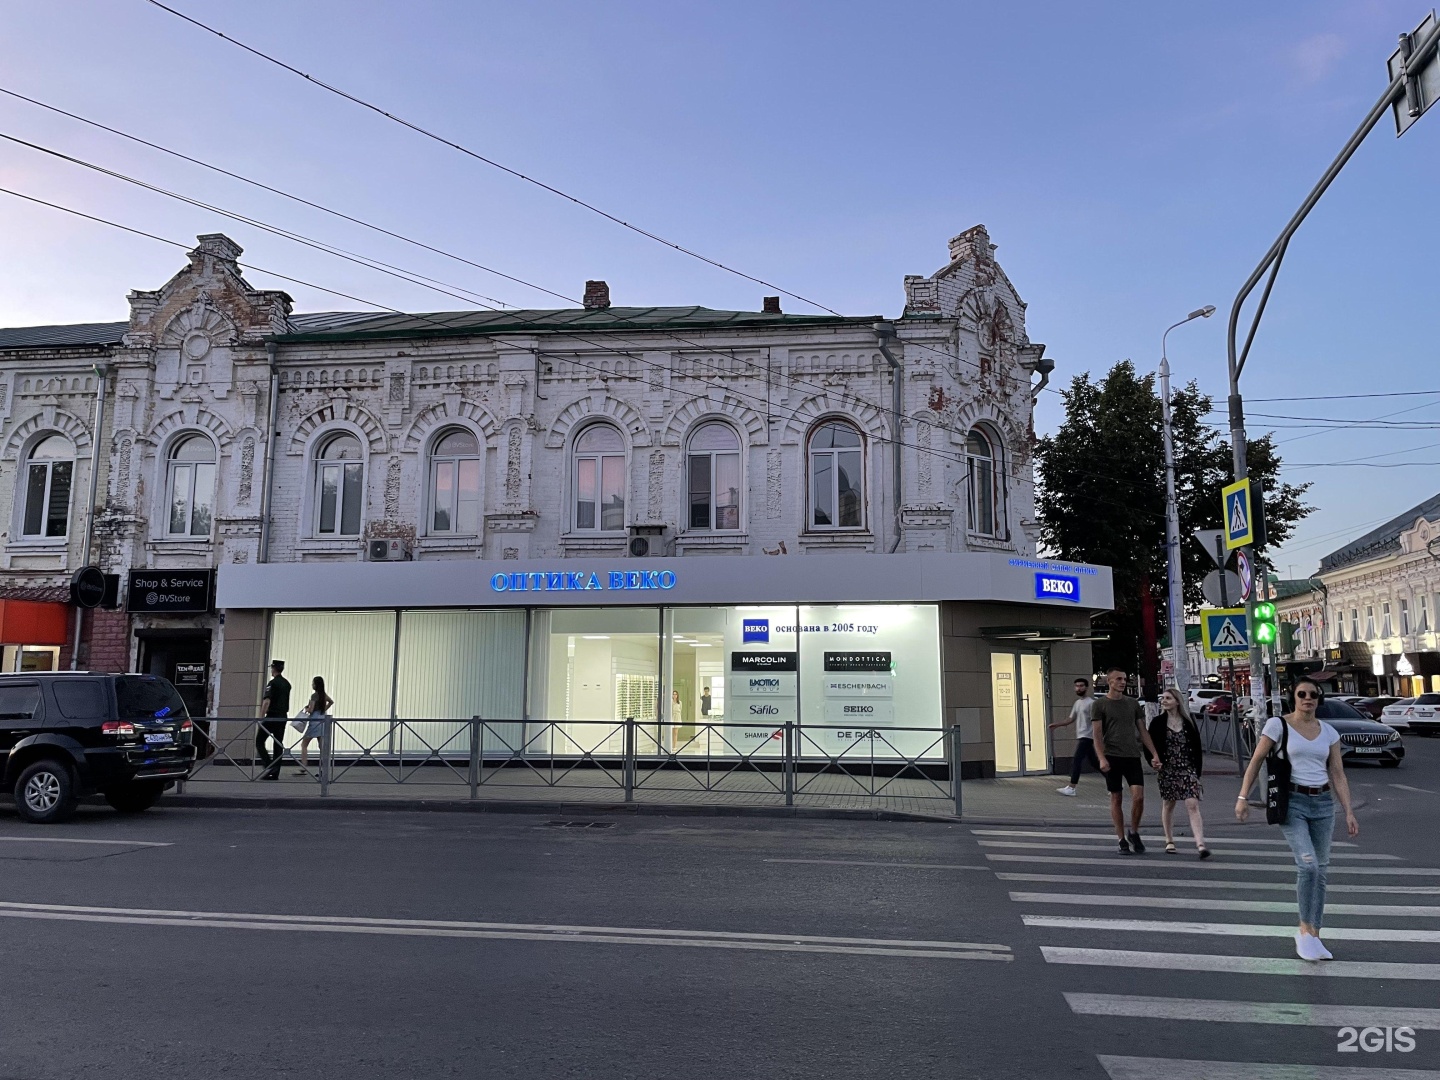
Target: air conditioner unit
[(394, 550), (647, 541)]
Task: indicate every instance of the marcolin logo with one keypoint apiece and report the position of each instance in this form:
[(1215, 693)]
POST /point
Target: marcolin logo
[(1057, 587), (756, 630)]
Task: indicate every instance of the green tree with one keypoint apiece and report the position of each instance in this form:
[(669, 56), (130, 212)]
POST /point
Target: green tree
[(1100, 497)]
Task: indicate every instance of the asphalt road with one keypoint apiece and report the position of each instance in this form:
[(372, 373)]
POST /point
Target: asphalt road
[(317, 944)]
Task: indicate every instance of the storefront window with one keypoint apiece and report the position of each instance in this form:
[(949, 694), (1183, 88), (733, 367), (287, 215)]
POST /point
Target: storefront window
[(591, 669), (865, 668), (455, 665), (733, 668), (354, 652)]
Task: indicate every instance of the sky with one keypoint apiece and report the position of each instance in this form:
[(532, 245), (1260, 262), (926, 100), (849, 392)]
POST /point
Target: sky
[(1132, 161)]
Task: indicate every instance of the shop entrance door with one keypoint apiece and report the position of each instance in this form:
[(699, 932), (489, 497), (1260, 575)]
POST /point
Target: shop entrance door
[(182, 657), (1022, 709)]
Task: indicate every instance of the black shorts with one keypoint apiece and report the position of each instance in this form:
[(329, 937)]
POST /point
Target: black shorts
[(1124, 770)]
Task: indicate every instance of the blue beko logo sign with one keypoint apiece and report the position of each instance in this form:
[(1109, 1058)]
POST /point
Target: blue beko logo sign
[(1057, 587), (756, 630)]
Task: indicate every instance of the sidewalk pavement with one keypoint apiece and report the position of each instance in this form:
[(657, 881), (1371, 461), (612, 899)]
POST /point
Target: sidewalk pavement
[(1031, 800)]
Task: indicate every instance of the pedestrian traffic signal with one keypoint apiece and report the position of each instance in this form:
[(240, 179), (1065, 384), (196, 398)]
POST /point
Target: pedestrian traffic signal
[(1266, 633)]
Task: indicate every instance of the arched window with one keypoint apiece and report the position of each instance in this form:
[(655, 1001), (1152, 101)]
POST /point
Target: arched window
[(48, 473), (599, 480), (837, 477), (190, 487), (986, 484), (339, 486), (455, 484), (714, 477)]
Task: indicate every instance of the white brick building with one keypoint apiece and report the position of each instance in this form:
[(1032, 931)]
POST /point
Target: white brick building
[(503, 436)]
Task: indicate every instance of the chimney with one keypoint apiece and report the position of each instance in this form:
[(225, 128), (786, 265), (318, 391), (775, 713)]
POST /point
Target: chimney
[(771, 305), (597, 295)]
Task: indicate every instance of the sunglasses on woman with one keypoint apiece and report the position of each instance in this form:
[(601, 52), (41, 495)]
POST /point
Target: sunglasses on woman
[(1307, 695)]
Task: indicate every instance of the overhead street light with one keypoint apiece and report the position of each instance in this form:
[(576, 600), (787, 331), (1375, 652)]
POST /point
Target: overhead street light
[(1175, 605)]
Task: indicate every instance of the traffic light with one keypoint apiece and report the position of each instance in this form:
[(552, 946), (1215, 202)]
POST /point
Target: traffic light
[(1266, 632)]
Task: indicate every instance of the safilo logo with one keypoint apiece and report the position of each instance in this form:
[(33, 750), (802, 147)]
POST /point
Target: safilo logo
[(764, 710), (1057, 587), (756, 630)]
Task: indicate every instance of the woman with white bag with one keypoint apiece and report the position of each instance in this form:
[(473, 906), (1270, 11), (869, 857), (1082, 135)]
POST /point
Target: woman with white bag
[(312, 728)]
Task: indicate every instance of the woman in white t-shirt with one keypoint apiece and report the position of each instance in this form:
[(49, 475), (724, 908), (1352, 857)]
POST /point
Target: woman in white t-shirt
[(1317, 779)]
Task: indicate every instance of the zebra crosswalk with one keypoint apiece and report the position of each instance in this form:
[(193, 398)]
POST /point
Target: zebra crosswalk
[(1191, 943)]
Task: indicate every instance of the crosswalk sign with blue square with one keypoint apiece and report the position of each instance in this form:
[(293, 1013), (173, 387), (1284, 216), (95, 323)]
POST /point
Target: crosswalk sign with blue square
[(1224, 632), (1239, 515)]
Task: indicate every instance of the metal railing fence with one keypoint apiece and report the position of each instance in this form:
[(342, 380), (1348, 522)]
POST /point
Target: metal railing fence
[(787, 763)]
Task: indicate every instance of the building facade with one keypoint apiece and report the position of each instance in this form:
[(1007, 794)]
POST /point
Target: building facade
[(239, 441), (1367, 621)]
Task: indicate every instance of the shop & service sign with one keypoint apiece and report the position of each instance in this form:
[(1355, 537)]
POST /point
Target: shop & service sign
[(170, 591)]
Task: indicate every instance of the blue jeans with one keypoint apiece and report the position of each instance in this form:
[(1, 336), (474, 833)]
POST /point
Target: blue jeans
[(1307, 829)]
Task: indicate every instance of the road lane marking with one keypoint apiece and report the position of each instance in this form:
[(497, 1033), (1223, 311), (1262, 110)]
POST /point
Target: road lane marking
[(1423, 791), (865, 862), (1216, 864), (1219, 929), (1217, 850), (1239, 965), (1253, 1012), (1111, 836), (1196, 883), (1140, 1068), (79, 840), (1210, 903), (717, 939)]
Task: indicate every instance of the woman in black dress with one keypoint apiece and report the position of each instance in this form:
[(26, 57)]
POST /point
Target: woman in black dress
[(1177, 742)]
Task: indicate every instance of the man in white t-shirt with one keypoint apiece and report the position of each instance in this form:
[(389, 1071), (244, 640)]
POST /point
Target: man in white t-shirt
[(1084, 740)]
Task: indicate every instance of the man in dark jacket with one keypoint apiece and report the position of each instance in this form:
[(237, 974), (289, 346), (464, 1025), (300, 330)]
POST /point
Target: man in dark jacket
[(274, 709)]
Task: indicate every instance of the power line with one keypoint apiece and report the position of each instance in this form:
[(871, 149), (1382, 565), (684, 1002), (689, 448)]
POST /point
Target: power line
[(384, 267), (1345, 397), (507, 169), (489, 161)]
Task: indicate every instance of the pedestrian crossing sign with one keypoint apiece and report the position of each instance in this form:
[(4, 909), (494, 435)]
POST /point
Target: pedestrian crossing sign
[(1224, 632), (1239, 516)]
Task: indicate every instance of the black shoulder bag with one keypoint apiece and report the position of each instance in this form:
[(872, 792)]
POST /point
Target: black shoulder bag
[(1277, 778)]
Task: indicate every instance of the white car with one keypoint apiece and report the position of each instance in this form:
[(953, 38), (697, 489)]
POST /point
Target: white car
[(1420, 715), (1394, 715)]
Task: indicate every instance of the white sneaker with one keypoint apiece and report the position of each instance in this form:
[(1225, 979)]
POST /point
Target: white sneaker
[(1318, 948), (1305, 946), (1068, 789)]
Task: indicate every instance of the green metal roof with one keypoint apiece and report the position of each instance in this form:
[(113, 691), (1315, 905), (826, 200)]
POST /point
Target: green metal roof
[(361, 325), (68, 335)]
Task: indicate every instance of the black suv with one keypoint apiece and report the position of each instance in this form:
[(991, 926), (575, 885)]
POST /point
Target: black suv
[(72, 733)]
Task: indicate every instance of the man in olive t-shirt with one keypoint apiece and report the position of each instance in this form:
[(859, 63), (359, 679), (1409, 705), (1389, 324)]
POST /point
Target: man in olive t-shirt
[(1119, 730)]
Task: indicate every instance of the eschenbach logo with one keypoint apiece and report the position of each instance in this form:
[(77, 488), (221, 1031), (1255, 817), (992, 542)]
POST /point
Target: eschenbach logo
[(1057, 587), (756, 630)]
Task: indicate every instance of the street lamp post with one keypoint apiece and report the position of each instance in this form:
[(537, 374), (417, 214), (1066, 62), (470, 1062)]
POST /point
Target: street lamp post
[(1175, 605)]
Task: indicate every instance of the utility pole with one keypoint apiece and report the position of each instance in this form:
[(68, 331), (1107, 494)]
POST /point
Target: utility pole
[(1175, 593), (1414, 86)]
